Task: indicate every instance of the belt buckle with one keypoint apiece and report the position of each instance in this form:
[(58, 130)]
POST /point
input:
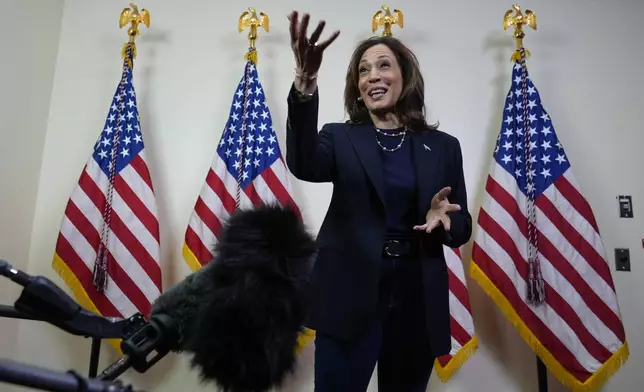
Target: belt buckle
[(387, 248)]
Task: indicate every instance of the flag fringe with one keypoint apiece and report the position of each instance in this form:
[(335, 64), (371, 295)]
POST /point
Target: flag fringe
[(306, 337), (81, 296), (594, 383), (457, 361), (190, 258)]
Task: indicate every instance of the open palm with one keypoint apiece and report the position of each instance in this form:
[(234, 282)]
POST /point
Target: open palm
[(438, 212), (308, 51)]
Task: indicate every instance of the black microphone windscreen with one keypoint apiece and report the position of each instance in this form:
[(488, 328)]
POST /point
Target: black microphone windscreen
[(240, 316)]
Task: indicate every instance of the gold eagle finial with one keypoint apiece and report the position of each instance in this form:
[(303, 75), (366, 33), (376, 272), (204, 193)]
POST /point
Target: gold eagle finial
[(518, 20), (250, 19), (385, 18), (134, 18)]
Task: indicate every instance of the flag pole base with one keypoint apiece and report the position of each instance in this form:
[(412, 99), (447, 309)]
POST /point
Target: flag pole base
[(542, 375)]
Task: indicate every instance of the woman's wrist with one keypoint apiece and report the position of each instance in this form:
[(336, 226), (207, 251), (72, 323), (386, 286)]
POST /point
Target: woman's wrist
[(305, 83)]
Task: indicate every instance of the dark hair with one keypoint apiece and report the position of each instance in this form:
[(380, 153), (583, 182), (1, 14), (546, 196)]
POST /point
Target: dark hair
[(410, 107)]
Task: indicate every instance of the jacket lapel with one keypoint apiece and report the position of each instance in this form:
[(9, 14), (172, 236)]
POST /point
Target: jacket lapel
[(366, 147), (428, 161)]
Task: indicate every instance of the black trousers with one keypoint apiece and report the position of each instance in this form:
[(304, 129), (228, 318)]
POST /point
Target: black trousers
[(397, 340)]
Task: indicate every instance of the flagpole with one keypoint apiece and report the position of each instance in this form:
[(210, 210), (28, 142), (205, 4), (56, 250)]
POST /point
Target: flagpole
[(464, 343), (248, 19), (536, 289), (134, 17)]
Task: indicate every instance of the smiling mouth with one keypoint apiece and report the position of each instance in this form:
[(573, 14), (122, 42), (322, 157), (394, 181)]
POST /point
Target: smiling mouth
[(377, 92)]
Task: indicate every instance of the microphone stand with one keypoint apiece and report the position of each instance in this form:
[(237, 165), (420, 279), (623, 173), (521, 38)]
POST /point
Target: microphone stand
[(49, 380), (12, 312), (144, 347), (42, 300)]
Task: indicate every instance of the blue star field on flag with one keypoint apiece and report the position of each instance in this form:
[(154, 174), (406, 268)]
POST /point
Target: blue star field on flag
[(547, 159), (249, 143), (122, 128)]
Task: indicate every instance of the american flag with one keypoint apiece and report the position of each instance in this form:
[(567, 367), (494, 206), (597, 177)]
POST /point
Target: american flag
[(464, 339), (538, 252), (247, 170), (107, 250)]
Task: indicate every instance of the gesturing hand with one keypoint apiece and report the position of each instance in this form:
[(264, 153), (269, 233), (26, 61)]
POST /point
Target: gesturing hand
[(308, 51), (437, 213)]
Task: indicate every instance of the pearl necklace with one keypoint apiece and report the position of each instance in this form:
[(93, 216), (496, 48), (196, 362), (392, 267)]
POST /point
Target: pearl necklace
[(403, 134)]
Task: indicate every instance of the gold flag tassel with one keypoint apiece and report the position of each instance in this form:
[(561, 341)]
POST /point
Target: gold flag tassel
[(134, 17), (385, 18), (249, 19), (518, 20)]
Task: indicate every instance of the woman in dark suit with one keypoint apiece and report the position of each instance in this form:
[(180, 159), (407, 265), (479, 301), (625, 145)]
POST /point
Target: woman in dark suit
[(380, 281)]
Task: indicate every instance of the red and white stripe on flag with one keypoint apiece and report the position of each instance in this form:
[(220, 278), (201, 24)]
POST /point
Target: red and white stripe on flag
[(464, 339), (536, 231), (578, 331), (247, 170), (111, 217), (216, 203)]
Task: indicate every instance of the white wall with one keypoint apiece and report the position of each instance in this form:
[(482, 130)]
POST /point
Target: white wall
[(586, 63), (28, 42)]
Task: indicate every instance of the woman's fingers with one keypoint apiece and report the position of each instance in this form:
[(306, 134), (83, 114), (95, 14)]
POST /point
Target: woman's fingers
[(324, 44), (293, 27), (447, 223), (302, 40), (428, 226), (434, 224), (298, 31), (442, 194), (302, 46), (315, 36)]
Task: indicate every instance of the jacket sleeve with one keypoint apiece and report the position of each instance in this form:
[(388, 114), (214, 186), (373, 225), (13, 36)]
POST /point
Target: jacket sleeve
[(461, 221), (309, 154)]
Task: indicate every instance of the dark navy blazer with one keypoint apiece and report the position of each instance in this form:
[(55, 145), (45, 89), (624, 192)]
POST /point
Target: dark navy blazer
[(350, 240)]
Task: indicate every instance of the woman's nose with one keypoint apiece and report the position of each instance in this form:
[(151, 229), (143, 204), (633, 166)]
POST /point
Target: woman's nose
[(374, 76)]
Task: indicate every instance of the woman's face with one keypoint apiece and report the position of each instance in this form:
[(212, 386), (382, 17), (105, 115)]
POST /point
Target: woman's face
[(379, 78)]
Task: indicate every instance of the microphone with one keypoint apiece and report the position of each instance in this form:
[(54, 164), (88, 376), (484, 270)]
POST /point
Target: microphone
[(239, 317), (42, 300)]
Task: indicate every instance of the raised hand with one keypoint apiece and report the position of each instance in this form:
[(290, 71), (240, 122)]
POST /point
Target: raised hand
[(438, 212), (308, 51)]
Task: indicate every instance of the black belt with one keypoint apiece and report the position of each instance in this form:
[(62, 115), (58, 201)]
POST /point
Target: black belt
[(396, 248)]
